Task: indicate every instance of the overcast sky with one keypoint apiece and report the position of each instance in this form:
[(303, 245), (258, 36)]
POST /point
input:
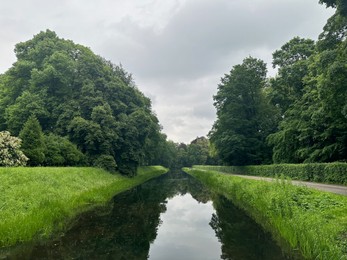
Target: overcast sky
[(177, 50)]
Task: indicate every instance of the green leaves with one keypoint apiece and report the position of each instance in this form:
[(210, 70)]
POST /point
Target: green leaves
[(308, 97), (314, 124), (78, 95), (242, 109), (198, 151), (33, 145), (292, 61), (295, 50), (26, 104), (59, 151), (341, 5)]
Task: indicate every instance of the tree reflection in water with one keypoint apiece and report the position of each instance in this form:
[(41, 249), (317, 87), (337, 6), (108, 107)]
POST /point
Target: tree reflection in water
[(240, 236), (127, 227)]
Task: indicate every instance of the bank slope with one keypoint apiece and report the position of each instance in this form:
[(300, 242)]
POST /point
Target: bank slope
[(35, 202), (312, 221)]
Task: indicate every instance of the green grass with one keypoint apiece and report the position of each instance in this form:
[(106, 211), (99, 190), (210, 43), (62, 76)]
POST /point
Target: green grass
[(312, 221), (36, 202)]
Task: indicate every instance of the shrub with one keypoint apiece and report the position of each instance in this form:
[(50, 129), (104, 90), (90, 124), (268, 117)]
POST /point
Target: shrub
[(61, 152), (128, 168), (10, 153), (106, 162), (316, 172)]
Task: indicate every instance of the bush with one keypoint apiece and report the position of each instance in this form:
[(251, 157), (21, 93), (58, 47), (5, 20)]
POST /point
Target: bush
[(128, 168), (10, 153), (61, 152), (316, 172), (106, 162)]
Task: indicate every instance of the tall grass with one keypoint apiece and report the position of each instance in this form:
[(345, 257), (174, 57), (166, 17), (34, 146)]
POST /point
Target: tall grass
[(35, 202), (312, 221)]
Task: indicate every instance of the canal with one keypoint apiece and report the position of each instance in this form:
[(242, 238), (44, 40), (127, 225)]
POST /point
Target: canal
[(170, 217)]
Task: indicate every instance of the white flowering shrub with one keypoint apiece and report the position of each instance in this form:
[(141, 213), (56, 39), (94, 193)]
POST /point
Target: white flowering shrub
[(10, 153)]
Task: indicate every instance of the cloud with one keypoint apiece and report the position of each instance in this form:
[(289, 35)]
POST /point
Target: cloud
[(204, 35), (177, 50), (186, 222)]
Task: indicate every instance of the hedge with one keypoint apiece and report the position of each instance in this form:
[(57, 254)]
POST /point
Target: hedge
[(316, 172)]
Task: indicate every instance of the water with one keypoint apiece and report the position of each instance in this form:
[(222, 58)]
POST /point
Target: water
[(171, 217), (185, 232)]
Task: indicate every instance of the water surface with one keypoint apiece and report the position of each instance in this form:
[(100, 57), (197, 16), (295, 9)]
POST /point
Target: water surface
[(170, 217), (185, 231)]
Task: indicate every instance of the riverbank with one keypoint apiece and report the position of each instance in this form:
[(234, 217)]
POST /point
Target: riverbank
[(312, 221), (36, 202)]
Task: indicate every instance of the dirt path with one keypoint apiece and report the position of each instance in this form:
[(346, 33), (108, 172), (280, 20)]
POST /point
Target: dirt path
[(338, 189)]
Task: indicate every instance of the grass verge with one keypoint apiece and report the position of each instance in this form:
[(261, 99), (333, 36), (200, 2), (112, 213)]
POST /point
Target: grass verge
[(312, 221), (36, 202)]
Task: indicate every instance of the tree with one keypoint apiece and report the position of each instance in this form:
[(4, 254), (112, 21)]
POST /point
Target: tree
[(292, 61), (59, 151), (33, 143), (244, 116), (341, 5), (198, 151), (80, 96), (25, 105), (10, 152), (314, 127), (335, 30), (133, 132), (182, 156), (106, 162)]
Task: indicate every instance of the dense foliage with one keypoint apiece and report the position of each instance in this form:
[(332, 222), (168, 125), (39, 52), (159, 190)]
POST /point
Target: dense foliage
[(76, 95), (314, 128), (59, 151), (245, 118), (10, 150), (301, 113), (33, 144), (198, 151)]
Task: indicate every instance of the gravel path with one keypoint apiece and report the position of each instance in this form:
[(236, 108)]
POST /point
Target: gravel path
[(338, 189)]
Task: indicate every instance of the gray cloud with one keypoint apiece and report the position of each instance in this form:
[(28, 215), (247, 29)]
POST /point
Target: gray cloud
[(186, 222), (177, 50), (199, 38)]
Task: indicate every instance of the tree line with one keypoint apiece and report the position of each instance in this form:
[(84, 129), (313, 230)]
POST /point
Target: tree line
[(300, 115), (62, 105), (72, 107)]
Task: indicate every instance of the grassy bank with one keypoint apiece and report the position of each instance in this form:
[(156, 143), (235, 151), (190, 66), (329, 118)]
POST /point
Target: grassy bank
[(316, 172), (35, 202), (312, 221)]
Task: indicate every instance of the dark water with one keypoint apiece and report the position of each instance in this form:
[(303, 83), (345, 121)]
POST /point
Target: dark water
[(171, 217)]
